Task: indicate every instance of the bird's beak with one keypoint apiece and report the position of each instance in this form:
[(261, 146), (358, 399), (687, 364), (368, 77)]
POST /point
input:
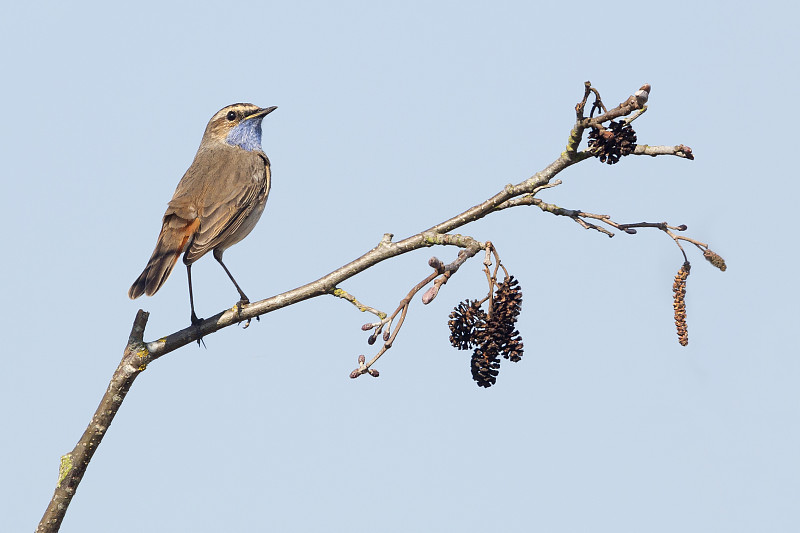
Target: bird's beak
[(261, 112)]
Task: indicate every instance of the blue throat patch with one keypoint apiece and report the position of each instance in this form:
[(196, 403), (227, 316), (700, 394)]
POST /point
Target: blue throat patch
[(246, 135)]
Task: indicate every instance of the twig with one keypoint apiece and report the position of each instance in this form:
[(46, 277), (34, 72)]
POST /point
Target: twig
[(679, 150), (442, 272), (341, 293), (636, 115)]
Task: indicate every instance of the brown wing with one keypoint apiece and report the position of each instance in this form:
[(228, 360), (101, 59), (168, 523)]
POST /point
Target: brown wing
[(233, 183)]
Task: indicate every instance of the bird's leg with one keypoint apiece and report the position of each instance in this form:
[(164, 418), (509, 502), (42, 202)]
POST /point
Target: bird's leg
[(243, 297), (195, 321)]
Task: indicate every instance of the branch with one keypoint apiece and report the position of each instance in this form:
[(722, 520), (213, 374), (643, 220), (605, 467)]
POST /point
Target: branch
[(580, 217), (73, 464), (680, 150), (138, 354), (441, 274)]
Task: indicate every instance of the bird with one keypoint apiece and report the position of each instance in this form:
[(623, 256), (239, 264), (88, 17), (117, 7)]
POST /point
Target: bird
[(217, 202)]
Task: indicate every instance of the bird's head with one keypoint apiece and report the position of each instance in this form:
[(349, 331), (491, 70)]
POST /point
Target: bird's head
[(238, 125)]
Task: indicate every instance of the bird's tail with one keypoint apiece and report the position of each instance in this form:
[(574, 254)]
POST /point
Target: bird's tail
[(175, 234)]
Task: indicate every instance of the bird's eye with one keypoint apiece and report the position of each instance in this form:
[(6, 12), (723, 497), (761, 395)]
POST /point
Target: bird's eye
[(231, 115)]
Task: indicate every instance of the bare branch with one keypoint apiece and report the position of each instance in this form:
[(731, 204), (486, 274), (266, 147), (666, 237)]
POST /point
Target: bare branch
[(341, 293), (633, 103), (441, 274), (679, 150), (73, 464), (636, 115), (139, 353)]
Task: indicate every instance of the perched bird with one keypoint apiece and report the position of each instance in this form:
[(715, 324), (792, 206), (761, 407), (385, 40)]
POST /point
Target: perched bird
[(217, 202)]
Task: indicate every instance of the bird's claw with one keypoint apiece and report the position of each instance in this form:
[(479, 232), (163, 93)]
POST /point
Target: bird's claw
[(239, 304), (196, 323)]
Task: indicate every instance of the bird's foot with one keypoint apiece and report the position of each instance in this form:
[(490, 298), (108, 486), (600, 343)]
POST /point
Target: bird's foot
[(244, 301), (196, 323)]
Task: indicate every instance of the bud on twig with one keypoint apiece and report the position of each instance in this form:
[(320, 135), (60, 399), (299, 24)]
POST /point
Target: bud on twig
[(430, 294), (435, 263), (643, 94)]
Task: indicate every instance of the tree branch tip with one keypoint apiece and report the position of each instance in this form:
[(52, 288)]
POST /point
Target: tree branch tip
[(550, 185), (435, 264), (642, 94), (139, 324), (636, 115), (359, 371)]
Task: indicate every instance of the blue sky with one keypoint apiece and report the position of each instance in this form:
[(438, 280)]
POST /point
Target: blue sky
[(391, 118)]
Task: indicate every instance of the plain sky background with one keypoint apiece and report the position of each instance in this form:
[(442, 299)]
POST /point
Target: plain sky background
[(391, 118)]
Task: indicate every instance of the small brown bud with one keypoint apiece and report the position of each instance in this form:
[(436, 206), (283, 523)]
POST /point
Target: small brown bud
[(374, 373), (386, 335), (435, 263), (354, 374), (362, 359), (372, 338), (367, 327), (430, 294)]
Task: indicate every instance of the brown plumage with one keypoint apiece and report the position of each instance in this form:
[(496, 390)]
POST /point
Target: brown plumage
[(217, 202)]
